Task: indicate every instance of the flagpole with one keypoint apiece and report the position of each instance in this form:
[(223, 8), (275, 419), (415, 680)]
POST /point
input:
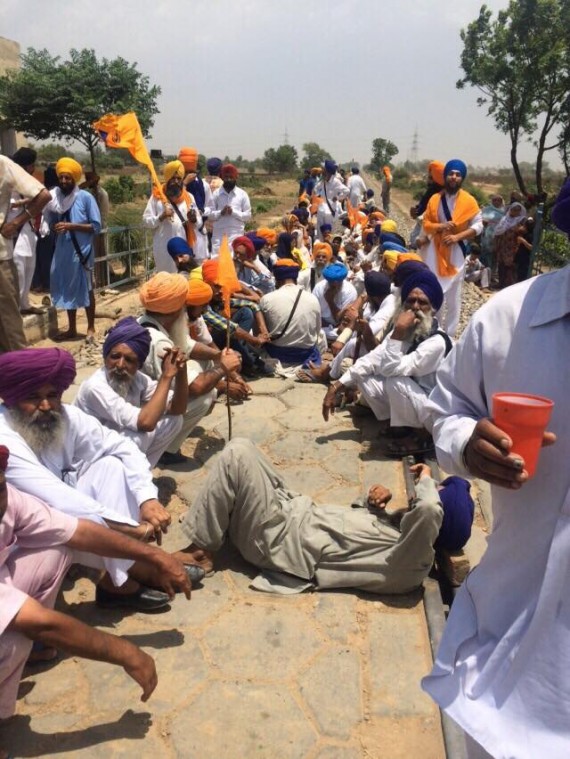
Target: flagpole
[(228, 384)]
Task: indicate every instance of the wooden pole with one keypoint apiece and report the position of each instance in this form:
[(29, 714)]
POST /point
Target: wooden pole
[(228, 385)]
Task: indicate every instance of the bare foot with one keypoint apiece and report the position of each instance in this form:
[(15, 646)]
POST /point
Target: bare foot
[(192, 554)]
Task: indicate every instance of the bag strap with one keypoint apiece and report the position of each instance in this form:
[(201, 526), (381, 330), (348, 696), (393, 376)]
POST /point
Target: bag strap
[(447, 214), (83, 260), (292, 313), (327, 198)]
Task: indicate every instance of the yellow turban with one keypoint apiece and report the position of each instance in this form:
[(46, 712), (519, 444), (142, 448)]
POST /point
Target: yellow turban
[(164, 293), (174, 169), (69, 166), (320, 248), (389, 226), (189, 158), (408, 257), (390, 260), (199, 293), (269, 235)]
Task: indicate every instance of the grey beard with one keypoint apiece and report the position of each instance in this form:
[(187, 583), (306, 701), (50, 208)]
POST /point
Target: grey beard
[(178, 333), (423, 328), (41, 430), (121, 384)]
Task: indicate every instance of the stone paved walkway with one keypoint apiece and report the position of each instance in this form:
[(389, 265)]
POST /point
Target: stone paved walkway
[(244, 674)]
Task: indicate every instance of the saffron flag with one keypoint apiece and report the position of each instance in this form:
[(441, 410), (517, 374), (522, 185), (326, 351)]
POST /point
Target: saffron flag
[(125, 132), (227, 277), (353, 214)]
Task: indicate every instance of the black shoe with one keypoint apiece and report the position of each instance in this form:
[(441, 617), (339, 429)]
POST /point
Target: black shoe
[(194, 573), (144, 599), (171, 459)]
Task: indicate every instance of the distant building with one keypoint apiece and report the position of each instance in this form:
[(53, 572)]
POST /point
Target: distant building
[(10, 140)]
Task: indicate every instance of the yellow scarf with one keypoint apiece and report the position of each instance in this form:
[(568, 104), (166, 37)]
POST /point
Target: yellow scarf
[(466, 207)]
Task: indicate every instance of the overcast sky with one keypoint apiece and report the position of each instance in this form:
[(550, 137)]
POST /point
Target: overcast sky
[(237, 74)]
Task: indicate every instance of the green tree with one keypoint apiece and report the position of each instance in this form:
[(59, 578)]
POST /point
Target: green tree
[(281, 160), (520, 64), (314, 155), (382, 153), (49, 98)]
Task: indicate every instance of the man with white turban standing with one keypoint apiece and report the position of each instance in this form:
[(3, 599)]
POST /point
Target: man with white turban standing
[(452, 217), (75, 218)]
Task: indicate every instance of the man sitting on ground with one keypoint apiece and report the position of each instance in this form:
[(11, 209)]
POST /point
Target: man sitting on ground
[(73, 463), (396, 378), (300, 545), (334, 294), (125, 399), (37, 546)]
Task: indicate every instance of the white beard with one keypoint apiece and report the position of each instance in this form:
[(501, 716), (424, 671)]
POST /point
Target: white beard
[(39, 436), (179, 334), (423, 328), (120, 384)]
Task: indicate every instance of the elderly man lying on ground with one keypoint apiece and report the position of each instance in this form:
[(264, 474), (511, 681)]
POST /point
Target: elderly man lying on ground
[(164, 298), (68, 459), (37, 546), (300, 545), (124, 399), (396, 378)]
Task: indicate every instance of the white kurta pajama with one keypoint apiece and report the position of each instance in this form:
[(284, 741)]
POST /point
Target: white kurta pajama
[(97, 398), (450, 311), (25, 251), (329, 212), (396, 384), (503, 667), (232, 225), (95, 474), (345, 296), (357, 189), (168, 228)]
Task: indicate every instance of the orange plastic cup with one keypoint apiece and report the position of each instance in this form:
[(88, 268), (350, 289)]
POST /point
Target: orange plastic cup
[(524, 418)]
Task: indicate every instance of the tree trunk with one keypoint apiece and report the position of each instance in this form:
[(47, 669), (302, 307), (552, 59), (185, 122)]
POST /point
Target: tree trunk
[(92, 154), (516, 169)]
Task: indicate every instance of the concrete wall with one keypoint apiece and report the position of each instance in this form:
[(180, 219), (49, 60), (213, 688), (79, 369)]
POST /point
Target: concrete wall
[(10, 141)]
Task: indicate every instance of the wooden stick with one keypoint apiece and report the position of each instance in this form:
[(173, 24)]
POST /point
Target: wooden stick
[(228, 386)]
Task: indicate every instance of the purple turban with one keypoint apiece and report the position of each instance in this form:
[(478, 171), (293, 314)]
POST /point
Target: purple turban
[(325, 228), (561, 210), (377, 284), (258, 242), (406, 269), (128, 332), (455, 165), (177, 246), (428, 283), (214, 165), (335, 272), (302, 214), (458, 511), (25, 371)]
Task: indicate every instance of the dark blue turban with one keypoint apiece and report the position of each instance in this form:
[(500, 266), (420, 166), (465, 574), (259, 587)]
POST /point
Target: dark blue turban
[(214, 165), (395, 246), (458, 511), (177, 246), (302, 214), (428, 283), (128, 332), (455, 165), (325, 228), (330, 167), (376, 284), (335, 272), (406, 269), (561, 210), (258, 242), (370, 193), (355, 170)]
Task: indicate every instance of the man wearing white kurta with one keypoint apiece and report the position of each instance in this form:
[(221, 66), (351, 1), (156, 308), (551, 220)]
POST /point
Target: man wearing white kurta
[(230, 211), (447, 233), (331, 189), (356, 187), (334, 294), (502, 668)]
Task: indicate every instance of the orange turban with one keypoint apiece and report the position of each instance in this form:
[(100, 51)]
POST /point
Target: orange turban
[(377, 216), (316, 171), (269, 235), (408, 257), (199, 293), (210, 271), (164, 293), (69, 166), (435, 169), (390, 260), (320, 248), (189, 158), (304, 198), (389, 226)]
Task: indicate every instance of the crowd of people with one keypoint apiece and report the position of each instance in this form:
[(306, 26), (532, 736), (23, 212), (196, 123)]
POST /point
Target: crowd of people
[(336, 295)]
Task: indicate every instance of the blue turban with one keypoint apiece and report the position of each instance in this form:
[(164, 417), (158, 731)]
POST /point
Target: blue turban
[(458, 511), (355, 170), (455, 165), (325, 228), (406, 269), (302, 214), (214, 165), (128, 332), (377, 284), (335, 272), (258, 242), (330, 166), (177, 246), (428, 283), (390, 245), (561, 211)]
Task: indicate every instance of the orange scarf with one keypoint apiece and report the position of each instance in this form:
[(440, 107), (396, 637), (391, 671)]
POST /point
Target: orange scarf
[(188, 199), (466, 207)]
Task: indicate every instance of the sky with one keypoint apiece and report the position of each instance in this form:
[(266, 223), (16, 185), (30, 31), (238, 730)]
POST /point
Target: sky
[(237, 76)]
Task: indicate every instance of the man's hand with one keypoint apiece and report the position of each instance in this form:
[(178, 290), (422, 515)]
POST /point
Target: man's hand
[(447, 226), (230, 360), (259, 340), (141, 668), (168, 213), (155, 514), (450, 239), (10, 229), (191, 216), (236, 391), (405, 323), (61, 227), (226, 211), (487, 456), (379, 496), (170, 575), (420, 471), (421, 241), (329, 401), (172, 361)]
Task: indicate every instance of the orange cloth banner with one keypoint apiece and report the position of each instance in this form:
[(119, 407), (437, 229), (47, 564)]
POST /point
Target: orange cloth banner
[(227, 277)]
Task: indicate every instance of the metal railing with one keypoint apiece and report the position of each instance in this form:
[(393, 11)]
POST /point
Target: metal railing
[(123, 256)]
